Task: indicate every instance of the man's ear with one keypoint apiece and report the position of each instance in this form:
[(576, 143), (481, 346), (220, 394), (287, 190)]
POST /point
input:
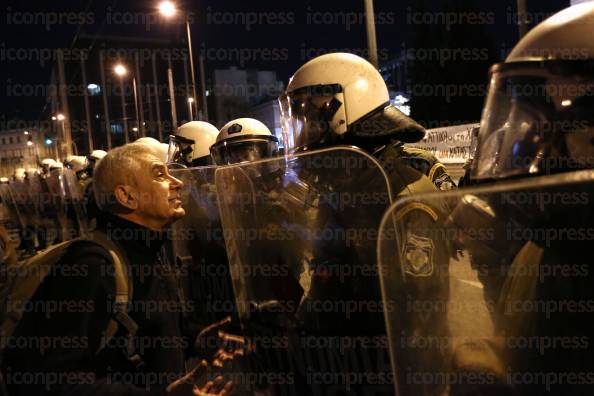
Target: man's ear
[(126, 197)]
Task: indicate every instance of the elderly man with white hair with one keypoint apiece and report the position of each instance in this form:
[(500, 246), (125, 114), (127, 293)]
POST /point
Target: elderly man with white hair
[(138, 199)]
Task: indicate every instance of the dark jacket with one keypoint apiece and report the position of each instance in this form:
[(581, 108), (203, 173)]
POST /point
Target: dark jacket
[(54, 348)]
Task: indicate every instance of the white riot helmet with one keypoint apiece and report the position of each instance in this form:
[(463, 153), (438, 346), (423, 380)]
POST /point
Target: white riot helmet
[(92, 159), (243, 140), (191, 145), (20, 174), (56, 165), (46, 163), (538, 116), (96, 155), (77, 163), (337, 96)]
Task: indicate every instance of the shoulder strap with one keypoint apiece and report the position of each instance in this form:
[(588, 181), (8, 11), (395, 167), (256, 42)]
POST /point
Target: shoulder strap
[(123, 283), (124, 290)]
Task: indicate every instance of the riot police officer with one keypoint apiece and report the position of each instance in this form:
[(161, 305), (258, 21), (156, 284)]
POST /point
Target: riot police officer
[(537, 122), (92, 159), (198, 246), (241, 140), (45, 165), (78, 164), (341, 100), (190, 146)]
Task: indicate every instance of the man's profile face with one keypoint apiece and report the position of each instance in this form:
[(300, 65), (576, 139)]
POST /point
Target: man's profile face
[(159, 202)]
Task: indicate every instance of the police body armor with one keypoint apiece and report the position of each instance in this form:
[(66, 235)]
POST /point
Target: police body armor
[(520, 291), (301, 233)]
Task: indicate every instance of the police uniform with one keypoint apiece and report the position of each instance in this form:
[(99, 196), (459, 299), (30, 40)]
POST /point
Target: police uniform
[(424, 259), (429, 165)]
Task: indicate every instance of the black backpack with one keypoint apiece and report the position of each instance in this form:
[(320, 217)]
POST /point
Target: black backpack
[(15, 287)]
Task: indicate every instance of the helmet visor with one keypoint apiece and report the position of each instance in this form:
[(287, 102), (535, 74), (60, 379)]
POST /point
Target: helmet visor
[(307, 116), (179, 154), (537, 119), (245, 150)]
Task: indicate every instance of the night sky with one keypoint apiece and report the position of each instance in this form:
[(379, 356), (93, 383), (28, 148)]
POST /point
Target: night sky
[(282, 35)]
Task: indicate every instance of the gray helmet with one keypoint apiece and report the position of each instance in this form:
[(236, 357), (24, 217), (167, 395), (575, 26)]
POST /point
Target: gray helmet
[(538, 116), (338, 96)]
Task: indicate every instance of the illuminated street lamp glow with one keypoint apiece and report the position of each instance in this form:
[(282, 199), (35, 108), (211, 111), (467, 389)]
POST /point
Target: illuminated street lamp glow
[(48, 141), (135, 129), (190, 100), (29, 143), (120, 70), (60, 117), (54, 118), (26, 132), (167, 9)]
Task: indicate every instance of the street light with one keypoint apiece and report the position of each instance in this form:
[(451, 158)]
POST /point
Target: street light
[(59, 117), (168, 10), (120, 70)]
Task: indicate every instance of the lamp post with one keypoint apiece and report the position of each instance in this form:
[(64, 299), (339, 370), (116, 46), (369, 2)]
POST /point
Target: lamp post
[(60, 117), (371, 38), (120, 70), (169, 10), (135, 91), (190, 103), (49, 142), (522, 22), (34, 145)]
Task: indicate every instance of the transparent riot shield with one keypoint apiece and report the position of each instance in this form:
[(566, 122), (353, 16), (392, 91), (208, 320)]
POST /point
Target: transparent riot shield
[(27, 213), (44, 221), (301, 236), (6, 214), (66, 199), (508, 310), (10, 214), (198, 250)]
